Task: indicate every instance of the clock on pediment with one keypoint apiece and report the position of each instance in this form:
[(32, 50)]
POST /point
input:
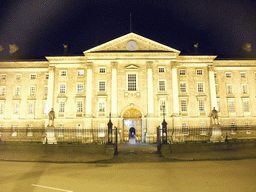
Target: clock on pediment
[(131, 45)]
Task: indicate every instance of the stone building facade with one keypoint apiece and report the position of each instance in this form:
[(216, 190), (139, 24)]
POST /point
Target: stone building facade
[(135, 79)]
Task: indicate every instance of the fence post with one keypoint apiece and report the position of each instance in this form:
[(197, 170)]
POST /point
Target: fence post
[(116, 151), (158, 140)]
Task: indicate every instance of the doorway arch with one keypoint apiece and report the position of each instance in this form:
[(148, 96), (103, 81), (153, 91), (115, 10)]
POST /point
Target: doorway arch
[(132, 126)]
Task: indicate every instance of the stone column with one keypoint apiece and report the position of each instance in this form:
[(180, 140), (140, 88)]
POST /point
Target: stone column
[(150, 89), (50, 94), (212, 87), (175, 90), (114, 89), (89, 90)]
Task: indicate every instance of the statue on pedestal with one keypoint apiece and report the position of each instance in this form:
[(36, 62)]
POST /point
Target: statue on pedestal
[(51, 117), (214, 116)]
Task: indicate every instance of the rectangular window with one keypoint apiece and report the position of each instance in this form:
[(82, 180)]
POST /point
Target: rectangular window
[(3, 76), (79, 130), (16, 108), (17, 91), (200, 87), (185, 130), (131, 82), (47, 76), (228, 74), (45, 90), (18, 76), (246, 105), (215, 75), (229, 89), (201, 105), (183, 87), (161, 69), (244, 88), (231, 106), (80, 73), (1, 108), (182, 72), (31, 107), (79, 106), (102, 70), (80, 88), (33, 76), (101, 107), (63, 73), (243, 74), (62, 88), (102, 85), (161, 85), (183, 105), (32, 90), (162, 107), (2, 91), (199, 72), (62, 107)]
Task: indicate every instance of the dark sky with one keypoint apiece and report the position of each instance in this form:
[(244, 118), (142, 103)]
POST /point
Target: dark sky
[(40, 27)]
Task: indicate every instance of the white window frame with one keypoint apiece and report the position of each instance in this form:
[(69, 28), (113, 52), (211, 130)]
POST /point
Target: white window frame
[(62, 88), (63, 73), (16, 107), (33, 76), (32, 92), (201, 105), (80, 88), (62, 106), (181, 72), (127, 82), (200, 89), (198, 72), (17, 90), (162, 108), (185, 128), (79, 106), (31, 108), (183, 89), (161, 86), (101, 107), (182, 106), (60, 130), (231, 108), (244, 88), (246, 107), (100, 85), (18, 76), (80, 72), (101, 129), (229, 89), (243, 74), (102, 70), (228, 75), (161, 69)]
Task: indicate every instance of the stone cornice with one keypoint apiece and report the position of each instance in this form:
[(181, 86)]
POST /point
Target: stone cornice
[(192, 58), (65, 59)]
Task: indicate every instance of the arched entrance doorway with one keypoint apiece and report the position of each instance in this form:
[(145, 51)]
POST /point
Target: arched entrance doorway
[(132, 125)]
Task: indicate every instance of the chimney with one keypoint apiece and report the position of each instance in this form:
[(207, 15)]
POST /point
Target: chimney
[(65, 50), (196, 48)]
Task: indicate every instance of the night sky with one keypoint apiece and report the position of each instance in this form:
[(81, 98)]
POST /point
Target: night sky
[(41, 27)]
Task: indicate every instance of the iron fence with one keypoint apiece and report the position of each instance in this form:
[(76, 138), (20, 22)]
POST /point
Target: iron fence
[(68, 135)]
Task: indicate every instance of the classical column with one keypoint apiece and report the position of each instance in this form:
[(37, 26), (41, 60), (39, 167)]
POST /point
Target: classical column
[(89, 90), (212, 87), (175, 90), (150, 89), (114, 89), (50, 93)]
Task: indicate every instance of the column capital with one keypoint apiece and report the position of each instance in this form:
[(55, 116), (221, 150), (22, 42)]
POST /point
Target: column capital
[(174, 64), (51, 68), (89, 65), (211, 67), (149, 64), (114, 65)]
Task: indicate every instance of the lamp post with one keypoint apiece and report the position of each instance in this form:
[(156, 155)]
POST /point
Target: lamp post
[(164, 127), (110, 124)]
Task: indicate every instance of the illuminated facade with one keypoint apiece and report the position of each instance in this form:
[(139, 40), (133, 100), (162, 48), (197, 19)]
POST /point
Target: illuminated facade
[(135, 79)]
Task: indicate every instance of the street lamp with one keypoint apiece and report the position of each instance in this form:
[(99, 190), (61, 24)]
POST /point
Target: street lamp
[(164, 127), (110, 125)]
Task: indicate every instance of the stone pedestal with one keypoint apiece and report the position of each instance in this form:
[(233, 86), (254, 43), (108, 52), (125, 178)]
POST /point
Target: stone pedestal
[(50, 136), (216, 134)]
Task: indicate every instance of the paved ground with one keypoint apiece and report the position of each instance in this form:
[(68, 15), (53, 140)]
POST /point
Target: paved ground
[(192, 176), (127, 153)]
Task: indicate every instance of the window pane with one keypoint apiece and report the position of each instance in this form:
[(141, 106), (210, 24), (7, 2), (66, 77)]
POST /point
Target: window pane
[(131, 82), (161, 85), (102, 86)]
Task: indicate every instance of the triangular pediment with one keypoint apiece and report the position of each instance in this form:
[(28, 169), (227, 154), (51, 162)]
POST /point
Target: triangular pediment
[(142, 44), (131, 67)]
